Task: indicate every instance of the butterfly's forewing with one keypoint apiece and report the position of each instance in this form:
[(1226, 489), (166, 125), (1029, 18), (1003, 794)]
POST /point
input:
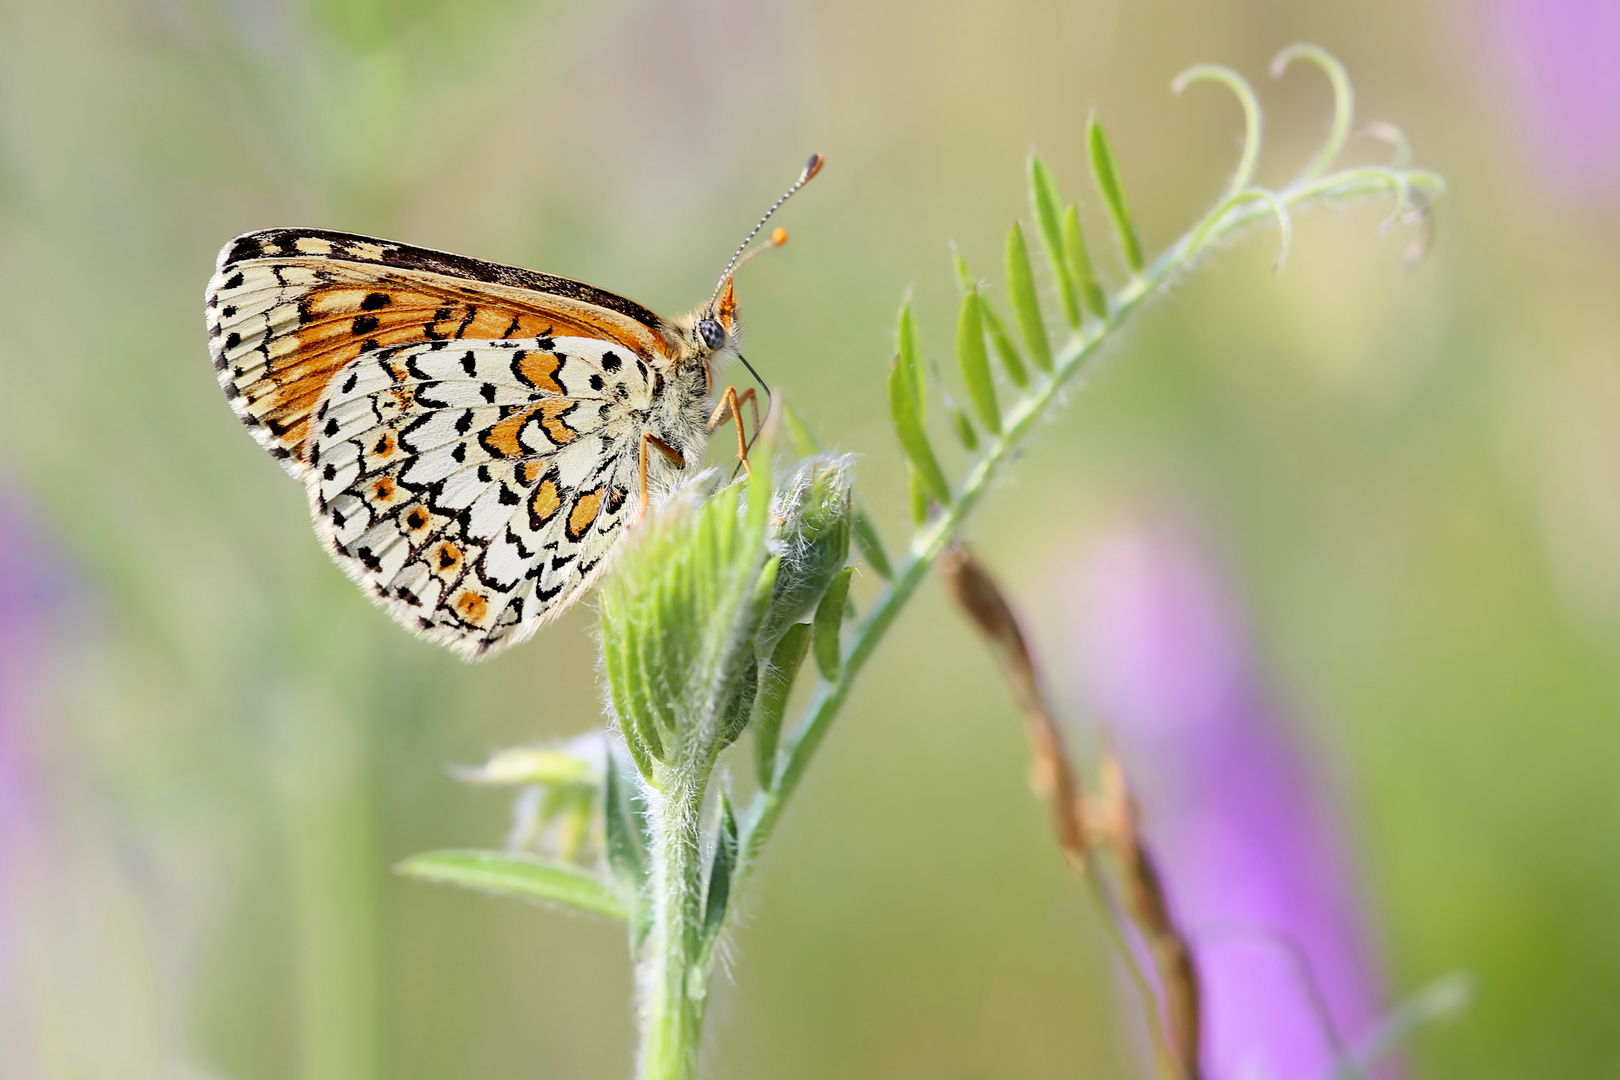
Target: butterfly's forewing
[(288, 308), (466, 436)]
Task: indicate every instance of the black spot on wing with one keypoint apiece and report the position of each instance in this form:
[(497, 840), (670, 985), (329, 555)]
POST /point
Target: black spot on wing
[(244, 247)]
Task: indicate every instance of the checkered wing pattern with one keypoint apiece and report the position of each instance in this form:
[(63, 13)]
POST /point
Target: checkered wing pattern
[(468, 432)]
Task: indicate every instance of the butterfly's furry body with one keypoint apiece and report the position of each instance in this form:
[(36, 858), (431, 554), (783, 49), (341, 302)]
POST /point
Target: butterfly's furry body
[(472, 436)]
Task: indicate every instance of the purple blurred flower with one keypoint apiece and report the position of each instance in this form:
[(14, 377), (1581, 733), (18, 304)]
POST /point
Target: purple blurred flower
[(31, 585), (1563, 60), (1252, 858)]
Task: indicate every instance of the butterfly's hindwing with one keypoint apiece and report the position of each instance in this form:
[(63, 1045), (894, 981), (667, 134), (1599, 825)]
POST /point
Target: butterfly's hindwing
[(475, 489)]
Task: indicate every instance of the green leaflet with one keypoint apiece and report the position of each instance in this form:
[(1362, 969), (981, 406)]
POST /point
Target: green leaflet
[(829, 622), (1106, 173), (526, 877), (627, 688), (871, 545), (917, 496), (1006, 351), (910, 361), (964, 429), (905, 407), (1080, 268), (1043, 196), (718, 897), (740, 707), (620, 834), (975, 361), (804, 443), (531, 765), (1026, 307), (775, 686), (964, 277)]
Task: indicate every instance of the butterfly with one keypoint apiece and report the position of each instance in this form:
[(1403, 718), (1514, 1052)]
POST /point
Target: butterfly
[(475, 438)]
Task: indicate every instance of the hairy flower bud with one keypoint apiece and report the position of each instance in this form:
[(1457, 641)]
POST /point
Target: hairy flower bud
[(813, 508)]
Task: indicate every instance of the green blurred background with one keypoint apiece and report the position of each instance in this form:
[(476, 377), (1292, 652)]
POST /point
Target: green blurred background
[(225, 747)]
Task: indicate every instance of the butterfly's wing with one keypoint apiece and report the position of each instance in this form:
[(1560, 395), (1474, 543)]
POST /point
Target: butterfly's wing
[(474, 489), (289, 308), (465, 429)]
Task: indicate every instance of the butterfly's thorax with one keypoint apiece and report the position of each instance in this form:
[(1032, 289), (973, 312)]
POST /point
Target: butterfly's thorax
[(679, 411), (684, 391)]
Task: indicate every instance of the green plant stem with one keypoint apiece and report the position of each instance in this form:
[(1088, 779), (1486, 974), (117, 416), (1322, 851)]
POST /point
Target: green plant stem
[(1225, 219), (674, 979)]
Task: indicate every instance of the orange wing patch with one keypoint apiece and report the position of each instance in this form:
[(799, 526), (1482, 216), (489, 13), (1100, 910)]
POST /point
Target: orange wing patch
[(538, 369), (583, 515), (502, 438), (546, 502), (552, 419)]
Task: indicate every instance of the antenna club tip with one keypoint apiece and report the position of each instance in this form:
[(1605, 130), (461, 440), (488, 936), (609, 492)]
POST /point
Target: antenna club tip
[(812, 167), (779, 236)]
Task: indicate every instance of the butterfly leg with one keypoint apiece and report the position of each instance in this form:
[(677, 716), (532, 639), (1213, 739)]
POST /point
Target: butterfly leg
[(674, 456), (730, 408)]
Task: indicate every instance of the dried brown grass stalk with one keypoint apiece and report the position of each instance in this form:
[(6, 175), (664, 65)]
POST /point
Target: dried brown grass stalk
[(1083, 827), (1050, 773), (1114, 822)]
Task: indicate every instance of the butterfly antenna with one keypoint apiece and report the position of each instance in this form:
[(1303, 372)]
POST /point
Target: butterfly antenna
[(811, 167)]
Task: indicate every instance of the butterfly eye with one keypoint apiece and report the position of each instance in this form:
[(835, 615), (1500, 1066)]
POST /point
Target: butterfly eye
[(711, 332)]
